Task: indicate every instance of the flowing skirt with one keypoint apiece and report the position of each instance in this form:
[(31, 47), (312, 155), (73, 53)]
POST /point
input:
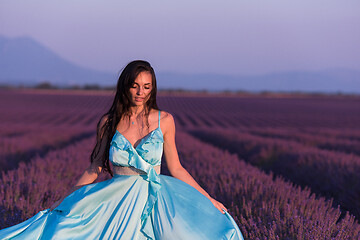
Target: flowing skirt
[(112, 210)]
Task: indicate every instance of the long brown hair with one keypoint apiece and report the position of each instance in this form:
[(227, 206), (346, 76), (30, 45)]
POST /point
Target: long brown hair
[(121, 107)]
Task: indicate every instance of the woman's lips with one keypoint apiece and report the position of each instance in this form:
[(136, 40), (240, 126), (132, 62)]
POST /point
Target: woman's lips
[(138, 99)]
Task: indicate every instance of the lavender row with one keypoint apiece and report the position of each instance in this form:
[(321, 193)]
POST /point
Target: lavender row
[(21, 143), (35, 122), (264, 208), (259, 111), (331, 174), (343, 133), (51, 109), (348, 138), (331, 140), (43, 118)]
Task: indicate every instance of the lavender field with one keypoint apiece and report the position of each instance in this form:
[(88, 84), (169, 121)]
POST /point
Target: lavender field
[(286, 167)]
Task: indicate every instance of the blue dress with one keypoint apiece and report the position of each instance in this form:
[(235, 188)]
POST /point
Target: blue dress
[(146, 206)]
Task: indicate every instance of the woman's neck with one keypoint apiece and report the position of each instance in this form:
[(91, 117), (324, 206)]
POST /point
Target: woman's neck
[(136, 110)]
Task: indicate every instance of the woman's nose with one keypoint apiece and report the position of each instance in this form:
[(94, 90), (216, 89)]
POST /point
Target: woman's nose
[(140, 91)]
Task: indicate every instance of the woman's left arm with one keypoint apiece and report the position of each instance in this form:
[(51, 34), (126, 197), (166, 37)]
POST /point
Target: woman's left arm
[(173, 162)]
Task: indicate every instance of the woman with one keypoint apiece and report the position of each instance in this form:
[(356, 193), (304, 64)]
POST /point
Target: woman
[(137, 202)]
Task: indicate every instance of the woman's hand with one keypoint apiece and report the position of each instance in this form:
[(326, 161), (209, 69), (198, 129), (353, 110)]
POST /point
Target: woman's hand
[(218, 205)]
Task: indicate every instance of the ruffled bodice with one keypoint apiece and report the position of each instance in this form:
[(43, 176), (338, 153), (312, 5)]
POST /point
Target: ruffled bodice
[(149, 149)]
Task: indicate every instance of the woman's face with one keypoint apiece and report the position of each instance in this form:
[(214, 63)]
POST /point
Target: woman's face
[(141, 89)]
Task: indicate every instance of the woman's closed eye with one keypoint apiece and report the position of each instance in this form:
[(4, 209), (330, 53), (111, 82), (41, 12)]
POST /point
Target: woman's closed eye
[(135, 86)]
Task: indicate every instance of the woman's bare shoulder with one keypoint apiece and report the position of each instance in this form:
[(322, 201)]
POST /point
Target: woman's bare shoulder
[(167, 122), (166, 117)]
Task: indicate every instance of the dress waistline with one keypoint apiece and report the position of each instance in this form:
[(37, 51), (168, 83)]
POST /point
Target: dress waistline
[(122, 170)]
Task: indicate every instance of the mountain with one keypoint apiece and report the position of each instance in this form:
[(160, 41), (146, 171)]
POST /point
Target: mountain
[(25, 61)]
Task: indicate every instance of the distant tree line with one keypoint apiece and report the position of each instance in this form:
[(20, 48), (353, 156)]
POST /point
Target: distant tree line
[(49, 85)]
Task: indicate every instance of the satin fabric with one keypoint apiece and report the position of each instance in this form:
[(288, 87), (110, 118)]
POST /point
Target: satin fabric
[(150, 206), (111, 210)]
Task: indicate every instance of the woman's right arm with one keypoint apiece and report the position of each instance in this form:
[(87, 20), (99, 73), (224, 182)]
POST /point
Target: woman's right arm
[(91, 172)]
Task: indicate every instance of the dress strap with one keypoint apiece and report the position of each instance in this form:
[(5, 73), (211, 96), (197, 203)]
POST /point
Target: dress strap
[(159, 118)]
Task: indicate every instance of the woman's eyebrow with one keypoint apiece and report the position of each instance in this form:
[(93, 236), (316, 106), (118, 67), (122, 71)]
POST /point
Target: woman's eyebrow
[(144, 84)]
